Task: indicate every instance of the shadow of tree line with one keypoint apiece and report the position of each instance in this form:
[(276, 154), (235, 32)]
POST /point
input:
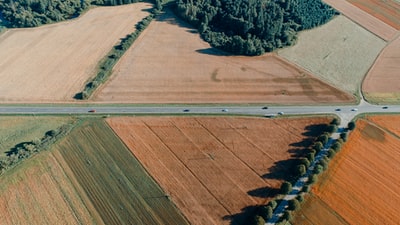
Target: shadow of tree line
[(283, 170)]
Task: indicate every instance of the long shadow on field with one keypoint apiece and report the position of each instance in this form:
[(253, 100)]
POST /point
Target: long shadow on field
[(283, 170), (17, 148)]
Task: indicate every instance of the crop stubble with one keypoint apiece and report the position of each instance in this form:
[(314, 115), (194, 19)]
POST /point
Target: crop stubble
[(52, 62), (169, 63), (362, 182), (210, 165)]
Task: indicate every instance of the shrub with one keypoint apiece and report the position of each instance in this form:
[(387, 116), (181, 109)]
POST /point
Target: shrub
[(258, 220), (293, 204), (301, 170), (351, 125), (335, 121), (286, 187), (305, 162), (287, 215), (306, 188), (310, 156), (313, 178), (318, 146), (343, 136), (266, 212), (300, 198), (318, 169), (337, 146), (273, 204), (331, 153), (332, 128)]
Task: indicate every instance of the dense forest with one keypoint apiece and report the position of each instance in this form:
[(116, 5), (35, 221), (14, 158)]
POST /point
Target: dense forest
[(252, 27)]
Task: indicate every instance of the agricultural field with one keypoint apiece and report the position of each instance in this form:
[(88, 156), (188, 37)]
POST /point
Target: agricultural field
[(51, 63), (170, 63), (17, 129), (89, 177), (381, 83), (361, 185), (216, 168), (364, 19), (388, 11), (339, 52)]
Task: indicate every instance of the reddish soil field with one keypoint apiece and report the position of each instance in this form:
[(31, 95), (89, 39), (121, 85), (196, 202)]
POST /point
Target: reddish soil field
[(169, 63), (52, 63), (391, 123), (362, 183), (382, 81), (364, 19), (388, 10), (214, 167)]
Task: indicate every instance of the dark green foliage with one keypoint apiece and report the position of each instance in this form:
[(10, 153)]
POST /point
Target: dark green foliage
[(286, 187), (332, 128), (273, 204), (318, 169), (310, 156), (351, 125), (306, 188), (266, 212), (300, 198), (336, 146), (293, 204), (252, 27), (324, 163), (258, 220), (318, 146), (335, 121), (312, 178), (287, 215), (301, 170), (331, 153), (305, 162), (343, 136), (32, 13), (323, 139)]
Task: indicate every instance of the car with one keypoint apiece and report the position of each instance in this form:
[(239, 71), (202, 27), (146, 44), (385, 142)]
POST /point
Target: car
[(281, 113), (186, 110), (354, 109), (385, 107), (269, 115), (338, 110), (225, 110), (92, 111), (265, 107)]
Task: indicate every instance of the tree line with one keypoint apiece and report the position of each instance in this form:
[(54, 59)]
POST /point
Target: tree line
[(252, 27), (33, 13)]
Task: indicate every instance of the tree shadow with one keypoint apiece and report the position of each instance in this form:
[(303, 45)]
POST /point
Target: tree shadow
[(16, 148), (314, 130), (281, 170), (264, 192), (242, 218)]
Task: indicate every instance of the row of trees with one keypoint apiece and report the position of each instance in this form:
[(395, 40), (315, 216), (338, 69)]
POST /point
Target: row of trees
[(27, 149), (33, 13), (252, 27)]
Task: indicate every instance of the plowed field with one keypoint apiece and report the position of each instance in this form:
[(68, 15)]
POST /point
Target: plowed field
[(90, 177), (51, 63), (170, 63), (382, 82), (388, 10), (361, 186), (213, 167), (369, 22)]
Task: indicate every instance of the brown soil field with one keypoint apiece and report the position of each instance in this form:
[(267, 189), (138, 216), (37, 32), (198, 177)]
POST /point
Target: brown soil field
[(361, 184), (382, 81), (390, 123), (388, 10), (89, 177), (51, 63), (215, 168), (339, 52), (369, 22), (170, 63)]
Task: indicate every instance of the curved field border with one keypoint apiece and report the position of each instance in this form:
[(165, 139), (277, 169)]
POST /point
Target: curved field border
[(51, 63), (169, 63), (374, 25), (381, 84), (340, 52)]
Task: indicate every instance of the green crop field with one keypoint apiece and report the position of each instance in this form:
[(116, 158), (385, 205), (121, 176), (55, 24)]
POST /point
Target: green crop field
[(114, 181)]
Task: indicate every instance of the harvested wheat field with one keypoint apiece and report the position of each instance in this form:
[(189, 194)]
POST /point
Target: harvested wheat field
[(51, 63), (169, 63), (362, 182), (388, 10), (214, 167), (339, 52), (382, 82), (89, 177), (364, 19)]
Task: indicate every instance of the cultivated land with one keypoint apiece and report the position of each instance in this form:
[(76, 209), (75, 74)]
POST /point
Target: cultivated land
[(90, 177), (388, 11), (391, 123), (17, 129), (369, 22), (214, 167), (382, 82), (340, 52), (361, 185), (52, 63), (169, 63)]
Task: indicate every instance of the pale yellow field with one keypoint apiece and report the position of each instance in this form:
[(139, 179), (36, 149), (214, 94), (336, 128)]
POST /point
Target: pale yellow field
[(340, 52), (52, 63)]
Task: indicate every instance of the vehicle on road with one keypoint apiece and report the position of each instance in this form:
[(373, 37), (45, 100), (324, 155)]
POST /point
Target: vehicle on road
[(225, 110), (92, 111), (338, 110), (281, 113), (186, 110), (385, 107), (269, 115), (265, 107), (354, 109)]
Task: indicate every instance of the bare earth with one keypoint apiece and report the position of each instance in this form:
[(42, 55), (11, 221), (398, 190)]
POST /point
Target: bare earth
[(52, 63), (340, 52), (213, 167), (170, 63), (362, 184), (369, 22), (382, 82)]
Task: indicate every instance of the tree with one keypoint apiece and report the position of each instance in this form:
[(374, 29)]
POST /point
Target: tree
[(335, 121), (266, 212), (323, 139), (287, 215), (351, 125), (293, 204), (301, 170), (318, 146), (336, 146), (258, 220), (304, 161), (286, 187), (332, 128), (273, 204), (300, 197), (331, 153), (318, 169), (343, 136), (312, 178)]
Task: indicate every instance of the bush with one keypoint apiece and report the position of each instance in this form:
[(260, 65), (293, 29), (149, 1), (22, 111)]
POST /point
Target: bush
[(343, 136), (293, 204), (318, 146), (258, 220), (351, 125), (305, 162), (332, 128), (335, 121), (337, 146), (306, 188), (313, 178), (287, 215), (318, 169), (310, 156), (323, 139), (301, 170), (286, 188), (266, 212), (272, 204), (300, 198)]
